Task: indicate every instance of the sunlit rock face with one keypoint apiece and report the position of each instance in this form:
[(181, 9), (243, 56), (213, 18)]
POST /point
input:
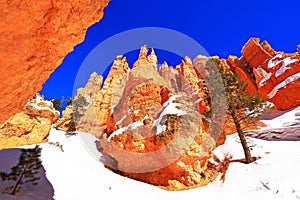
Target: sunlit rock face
[(149, 122), (275, 75), (31, 126), (35, 37)]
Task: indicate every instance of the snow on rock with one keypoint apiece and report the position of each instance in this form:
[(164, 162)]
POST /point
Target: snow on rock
[(265, 79), (285, 65), (170, 108), (283, 84), (31, 126), (119, 131), (273, 62)]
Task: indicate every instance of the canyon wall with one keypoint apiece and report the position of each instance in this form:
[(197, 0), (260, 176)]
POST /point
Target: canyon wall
[(35, 37)]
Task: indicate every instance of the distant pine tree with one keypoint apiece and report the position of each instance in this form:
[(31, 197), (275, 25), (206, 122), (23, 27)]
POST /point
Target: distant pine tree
[(79, 104), (26, 171), (57, 104)]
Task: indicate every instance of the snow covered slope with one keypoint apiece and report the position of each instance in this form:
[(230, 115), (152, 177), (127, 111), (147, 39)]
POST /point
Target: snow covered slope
[(75, 172)]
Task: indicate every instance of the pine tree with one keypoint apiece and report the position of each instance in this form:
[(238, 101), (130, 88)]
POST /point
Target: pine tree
[(26, 170), (243, 108), (57, 104), (79, 104)]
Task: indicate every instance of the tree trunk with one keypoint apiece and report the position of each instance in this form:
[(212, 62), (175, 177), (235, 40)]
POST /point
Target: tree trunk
[(14, 190), (240, 132)]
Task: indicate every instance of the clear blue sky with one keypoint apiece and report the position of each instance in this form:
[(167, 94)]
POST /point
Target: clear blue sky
[(221, 27)]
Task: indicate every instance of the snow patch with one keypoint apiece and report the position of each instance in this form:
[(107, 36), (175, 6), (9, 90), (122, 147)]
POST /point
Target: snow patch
[(283, 84), (285, 65), (170, 108), (265, 79), (274, 61), (121, 120), (198, 100), (136, 111), (131, 126)]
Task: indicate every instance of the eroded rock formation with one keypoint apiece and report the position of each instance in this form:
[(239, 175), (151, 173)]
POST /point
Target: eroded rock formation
[(35, 37), (275, 75), (31, 126), (153, 111), (159, 109)]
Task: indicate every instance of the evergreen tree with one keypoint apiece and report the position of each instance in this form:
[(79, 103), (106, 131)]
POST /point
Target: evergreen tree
[(26, 170), (79, 104), (57, 104), (243, 108)]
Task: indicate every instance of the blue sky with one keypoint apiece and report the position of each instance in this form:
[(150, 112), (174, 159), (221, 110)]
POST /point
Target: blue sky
[(221, 27)]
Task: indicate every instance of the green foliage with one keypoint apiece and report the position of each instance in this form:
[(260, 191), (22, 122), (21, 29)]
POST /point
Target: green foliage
[(247, 107), (57, 104), (26, 170), (79, 104), (242, 107)]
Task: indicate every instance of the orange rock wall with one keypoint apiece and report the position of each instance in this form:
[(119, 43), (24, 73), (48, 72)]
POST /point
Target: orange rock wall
[(35, 37), (273, 74)]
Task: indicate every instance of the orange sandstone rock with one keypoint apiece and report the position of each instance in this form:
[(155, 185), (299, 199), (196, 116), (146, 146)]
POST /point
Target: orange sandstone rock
[(31, 126), (35, 37), (146, 111)]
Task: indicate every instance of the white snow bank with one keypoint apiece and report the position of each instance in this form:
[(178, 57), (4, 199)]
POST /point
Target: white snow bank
[(279, 119), (75, 174)]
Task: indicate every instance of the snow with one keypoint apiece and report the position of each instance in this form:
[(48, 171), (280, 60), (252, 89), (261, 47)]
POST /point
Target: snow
[(274, 61), (197, 91), (170, 108), (279, 119), (119, 131), (285, 65), (55, 112), (78, 174), (198, 100), (131, 126), (121, 120), (283, 84), (136, 111), (265, 79)]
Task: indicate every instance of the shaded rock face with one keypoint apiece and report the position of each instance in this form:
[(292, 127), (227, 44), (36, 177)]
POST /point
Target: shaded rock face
[(31, 126), (35, 38), (149, 123), (275, 75)]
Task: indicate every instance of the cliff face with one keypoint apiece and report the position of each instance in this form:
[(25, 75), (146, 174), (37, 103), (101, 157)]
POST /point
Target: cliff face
[(275, 75), (31, 126), (35, 37)]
